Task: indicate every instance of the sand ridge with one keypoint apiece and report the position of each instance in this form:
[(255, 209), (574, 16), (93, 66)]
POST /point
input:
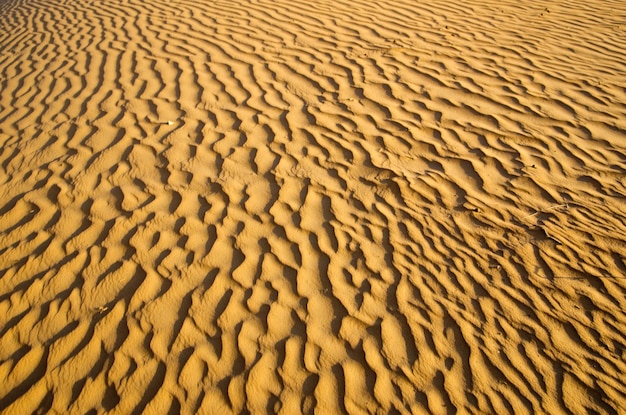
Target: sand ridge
[(293, 207)]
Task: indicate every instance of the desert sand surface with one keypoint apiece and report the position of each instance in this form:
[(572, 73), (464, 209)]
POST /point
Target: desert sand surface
[(342, 206)]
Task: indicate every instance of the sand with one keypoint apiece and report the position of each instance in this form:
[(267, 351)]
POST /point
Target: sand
[(312, 207)]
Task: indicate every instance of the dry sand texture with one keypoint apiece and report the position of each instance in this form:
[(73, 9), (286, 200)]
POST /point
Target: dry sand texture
[(295, 206)]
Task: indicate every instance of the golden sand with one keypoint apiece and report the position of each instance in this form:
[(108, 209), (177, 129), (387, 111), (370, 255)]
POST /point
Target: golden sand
[(321, 207)]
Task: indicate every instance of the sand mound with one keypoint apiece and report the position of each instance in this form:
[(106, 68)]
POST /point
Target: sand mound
[(334, 206)]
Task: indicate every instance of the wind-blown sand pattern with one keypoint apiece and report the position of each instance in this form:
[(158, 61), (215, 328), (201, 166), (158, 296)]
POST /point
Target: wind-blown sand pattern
[(295, 207)]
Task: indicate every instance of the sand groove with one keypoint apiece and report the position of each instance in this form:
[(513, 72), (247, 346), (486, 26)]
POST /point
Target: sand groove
[(296, 207)]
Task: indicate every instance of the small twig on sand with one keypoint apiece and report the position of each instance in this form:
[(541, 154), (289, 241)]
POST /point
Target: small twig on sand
[(168, 122), (563, 206)]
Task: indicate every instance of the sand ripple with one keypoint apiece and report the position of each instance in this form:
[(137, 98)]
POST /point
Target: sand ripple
[(341, 206)]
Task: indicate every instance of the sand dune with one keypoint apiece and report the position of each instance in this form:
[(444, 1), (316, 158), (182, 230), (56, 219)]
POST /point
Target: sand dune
[(295, 207)]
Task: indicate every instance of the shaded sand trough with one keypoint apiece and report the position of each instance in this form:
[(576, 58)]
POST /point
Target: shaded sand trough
[(334, 206)]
